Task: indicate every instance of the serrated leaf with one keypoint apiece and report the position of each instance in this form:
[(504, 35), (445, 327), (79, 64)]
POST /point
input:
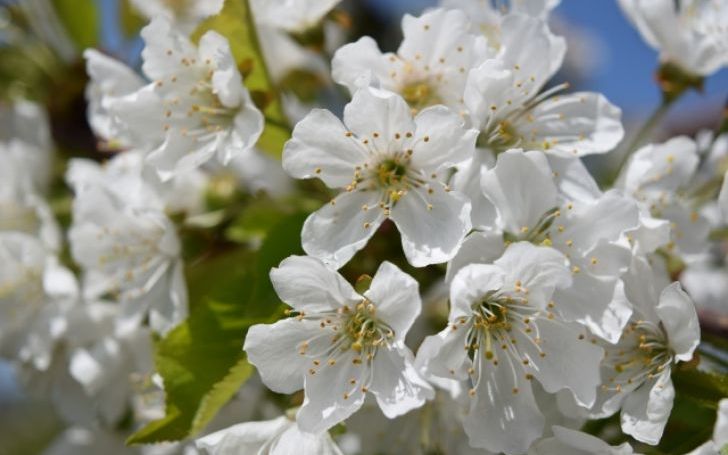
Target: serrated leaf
[(201, 361), (235, 22), (81, 21)]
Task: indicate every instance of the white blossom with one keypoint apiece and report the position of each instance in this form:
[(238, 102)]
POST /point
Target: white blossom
[(430, 67), (195, 108), (390, 166), (280, 436), (521, 200), (658, 176), (577, 443), (690, 33), (504, 98), (636, 371), (126, 244), (502, 333), (339, 345), (185, 15), (295, 16)]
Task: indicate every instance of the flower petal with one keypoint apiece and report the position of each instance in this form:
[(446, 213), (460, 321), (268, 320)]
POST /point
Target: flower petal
[(333, 393), (274, 350), (339, 229), (646, 410), (396, 297), (680, 321), (432, 224), (569, 362), (477, 248), (576, 124), (307, 285), (503, 415), (521, 191), (320, 147), (441, 139), (396, 384)]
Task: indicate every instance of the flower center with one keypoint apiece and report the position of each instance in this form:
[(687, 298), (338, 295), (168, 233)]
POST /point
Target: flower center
[(420, 95), (365, 331), (539, 235), (390, 172), (642, 354)]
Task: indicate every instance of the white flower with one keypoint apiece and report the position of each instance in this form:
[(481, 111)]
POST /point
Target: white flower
[(195, 108), (22, 209), (279, 436), (502, 333), (391, 166), (35, 291), (658, 176), (340, 345), (185, 15), (486, 16), (504, 98), (25, 143), (437, 427), (109, 80), (577, 443), (723, 199), (720, 433), (692, 34), (636, 371), (423, 73), (125, 243), (294, 16), (523, 202)]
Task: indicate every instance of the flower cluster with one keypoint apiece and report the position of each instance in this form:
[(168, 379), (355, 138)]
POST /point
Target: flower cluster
[(547, 299)]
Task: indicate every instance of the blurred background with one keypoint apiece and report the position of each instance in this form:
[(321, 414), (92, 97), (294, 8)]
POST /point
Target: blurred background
[(41, 42)]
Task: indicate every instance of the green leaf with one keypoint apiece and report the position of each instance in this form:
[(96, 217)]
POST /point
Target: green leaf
[(81, 20), (235, 22), (201, 361), (709, 387)]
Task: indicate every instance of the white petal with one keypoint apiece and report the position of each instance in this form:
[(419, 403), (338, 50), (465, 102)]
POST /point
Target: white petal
[(293, 441), (330, 395), (396, 384), (375, 111), (531, 50), (432, 225), (569, 362), (443, 355), (306, 284), (598, 303), (339, 229), (321, 148), (576, 124), (585, 224), (490, 84), (723, 199), (359, 64), (396, 297), (160, 38), (274, 350), (500, 420), (539, 269), (646, 410), (441, 140), (246, 437), (478, 248), (520, 190), (471, 284), (573, 178), (680, 321), (575, 442)]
